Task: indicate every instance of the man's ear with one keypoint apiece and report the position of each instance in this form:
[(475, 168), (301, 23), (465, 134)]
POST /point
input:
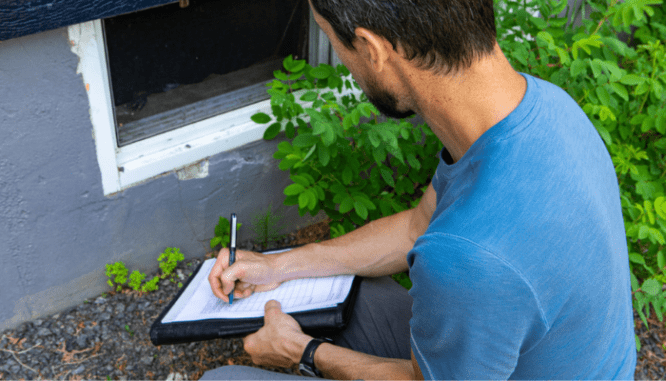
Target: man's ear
[(377, 47)]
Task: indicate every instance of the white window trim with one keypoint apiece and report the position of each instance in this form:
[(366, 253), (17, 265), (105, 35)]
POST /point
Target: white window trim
[(123, 167)]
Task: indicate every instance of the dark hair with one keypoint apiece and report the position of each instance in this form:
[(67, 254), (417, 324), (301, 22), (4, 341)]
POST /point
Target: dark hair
[(442, 35)]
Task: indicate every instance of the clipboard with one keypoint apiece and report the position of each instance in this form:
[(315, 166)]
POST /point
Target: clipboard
[(320, 322)]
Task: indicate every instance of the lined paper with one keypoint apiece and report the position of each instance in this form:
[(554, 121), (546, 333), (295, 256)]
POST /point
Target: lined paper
[(198, 302)]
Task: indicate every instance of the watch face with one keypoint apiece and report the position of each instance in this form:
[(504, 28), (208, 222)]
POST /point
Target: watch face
[(306, 370)]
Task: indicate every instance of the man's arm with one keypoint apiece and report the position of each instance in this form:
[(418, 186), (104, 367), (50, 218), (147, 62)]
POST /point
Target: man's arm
[(281, 342), (376, 249)]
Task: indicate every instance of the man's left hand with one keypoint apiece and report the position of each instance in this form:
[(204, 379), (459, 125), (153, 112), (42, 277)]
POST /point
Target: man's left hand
[(280, 342)]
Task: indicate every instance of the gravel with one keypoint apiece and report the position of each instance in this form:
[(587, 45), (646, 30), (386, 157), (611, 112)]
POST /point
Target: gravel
[(108, 338)]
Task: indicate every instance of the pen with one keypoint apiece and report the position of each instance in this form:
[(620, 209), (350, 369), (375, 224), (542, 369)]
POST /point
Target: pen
[(232, 250)]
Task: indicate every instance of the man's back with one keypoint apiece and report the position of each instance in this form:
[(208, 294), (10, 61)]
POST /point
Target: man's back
[(523, 271)]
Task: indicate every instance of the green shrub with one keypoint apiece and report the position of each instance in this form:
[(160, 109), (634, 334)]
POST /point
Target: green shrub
[(621, 88), (357, 168), (348, 162)]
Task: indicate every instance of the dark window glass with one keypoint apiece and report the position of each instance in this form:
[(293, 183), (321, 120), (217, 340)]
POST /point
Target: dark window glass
[(172, 66)]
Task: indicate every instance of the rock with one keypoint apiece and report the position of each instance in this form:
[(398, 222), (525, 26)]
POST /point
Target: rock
[(43, 332), (79, 370), (100, 300), (105, 316), (120, 308), (82, 341), (147, 360)]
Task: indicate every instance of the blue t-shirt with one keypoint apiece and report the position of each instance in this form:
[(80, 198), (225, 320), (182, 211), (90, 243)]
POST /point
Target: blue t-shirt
[(523, 271)]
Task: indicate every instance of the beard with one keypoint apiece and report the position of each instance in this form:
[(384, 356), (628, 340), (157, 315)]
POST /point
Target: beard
[(385, 102)]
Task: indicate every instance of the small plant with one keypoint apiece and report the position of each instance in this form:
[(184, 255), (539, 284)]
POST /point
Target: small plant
[(265, 226), (127, 328), (135, 279), (118, 272), (169, 260), (151, 285), (222, 232)]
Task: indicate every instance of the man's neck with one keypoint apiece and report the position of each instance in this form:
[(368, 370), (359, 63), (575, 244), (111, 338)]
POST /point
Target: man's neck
[(460, 107)]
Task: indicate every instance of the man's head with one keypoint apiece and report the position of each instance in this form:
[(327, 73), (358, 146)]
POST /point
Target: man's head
[(441, 35)]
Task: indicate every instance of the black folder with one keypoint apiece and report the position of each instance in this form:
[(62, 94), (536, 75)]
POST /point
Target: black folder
[(323, 322)]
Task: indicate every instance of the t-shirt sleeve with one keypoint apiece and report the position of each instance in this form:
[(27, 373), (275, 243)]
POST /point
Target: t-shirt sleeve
[(473, 313)]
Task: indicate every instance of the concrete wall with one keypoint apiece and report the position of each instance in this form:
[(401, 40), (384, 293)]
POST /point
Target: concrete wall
[(57, 230)]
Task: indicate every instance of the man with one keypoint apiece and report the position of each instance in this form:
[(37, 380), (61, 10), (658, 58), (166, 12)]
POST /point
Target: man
[(517, 250)]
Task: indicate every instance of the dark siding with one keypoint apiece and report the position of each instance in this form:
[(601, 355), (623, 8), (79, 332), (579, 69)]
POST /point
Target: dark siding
[(22, 17)]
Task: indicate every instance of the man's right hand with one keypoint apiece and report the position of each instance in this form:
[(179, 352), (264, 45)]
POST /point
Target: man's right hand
[(252, 272)]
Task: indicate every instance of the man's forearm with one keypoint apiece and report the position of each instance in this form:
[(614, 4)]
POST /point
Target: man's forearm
[(375, 249), (344, 364)]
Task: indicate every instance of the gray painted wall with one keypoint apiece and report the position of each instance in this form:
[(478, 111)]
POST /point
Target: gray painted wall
[(57, 230)]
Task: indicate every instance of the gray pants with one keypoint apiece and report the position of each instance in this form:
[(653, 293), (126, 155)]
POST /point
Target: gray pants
[(379, 326)]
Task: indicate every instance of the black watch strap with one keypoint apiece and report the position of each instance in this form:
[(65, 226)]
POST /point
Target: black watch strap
[(307, 366)]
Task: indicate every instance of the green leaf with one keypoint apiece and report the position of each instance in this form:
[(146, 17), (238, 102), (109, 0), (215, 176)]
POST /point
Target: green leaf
[(289, 130), (647, 205), (215, 241), (638, 343), (620, 90), (272, 131), (320, 72), (304, 181), (661, 260), (298, 65), (387, 175), (636, 258), (546, 37), (651, 287), (303, 200), (305, 140), (578, 67), (312, 199), (346, 205), (632, 79), (309, 96), (347, 175), (260, 118), (324, 155), (361, 209), (279, 74), (656, 235), (603, 95), (288, 63), (660, 207)]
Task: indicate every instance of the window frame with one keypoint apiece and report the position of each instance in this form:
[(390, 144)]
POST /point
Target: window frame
[(135, 163)]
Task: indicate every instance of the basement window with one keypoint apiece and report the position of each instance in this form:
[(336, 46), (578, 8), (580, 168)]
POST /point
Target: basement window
[(169, 86), (172, 66)]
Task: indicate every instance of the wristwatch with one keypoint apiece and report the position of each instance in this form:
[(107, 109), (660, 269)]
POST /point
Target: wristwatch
[(307, 366)]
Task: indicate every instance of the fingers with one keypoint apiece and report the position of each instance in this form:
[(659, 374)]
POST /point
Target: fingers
[(214, 278)]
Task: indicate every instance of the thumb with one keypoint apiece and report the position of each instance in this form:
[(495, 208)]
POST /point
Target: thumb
[(272, 307)]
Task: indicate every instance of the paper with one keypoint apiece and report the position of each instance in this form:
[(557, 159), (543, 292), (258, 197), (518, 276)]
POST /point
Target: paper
[(198, 301)]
